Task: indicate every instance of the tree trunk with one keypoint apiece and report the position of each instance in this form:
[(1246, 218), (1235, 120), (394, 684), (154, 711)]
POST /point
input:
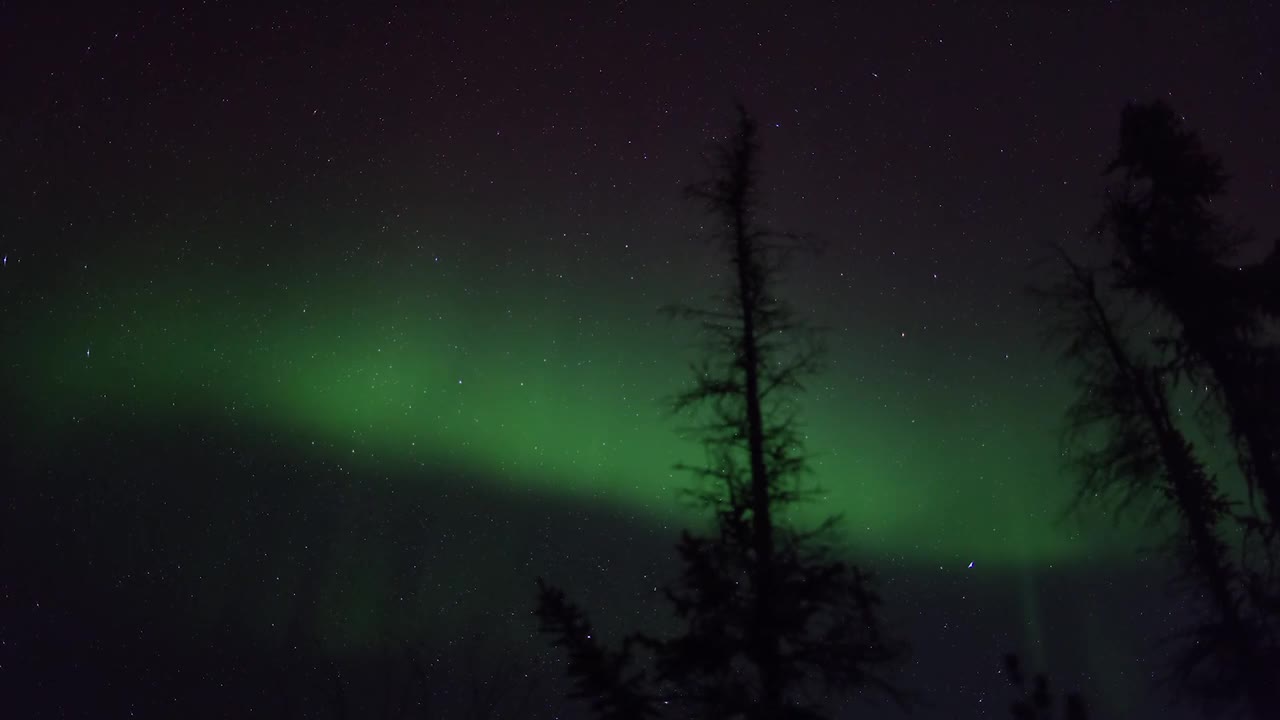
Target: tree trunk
[(766, 639)]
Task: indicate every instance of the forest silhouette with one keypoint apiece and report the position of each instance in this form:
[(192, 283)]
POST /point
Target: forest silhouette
[(1169, 310)]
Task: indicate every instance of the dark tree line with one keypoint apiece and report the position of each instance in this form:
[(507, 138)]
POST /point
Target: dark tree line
[(1035, 701), (771, 620), (1173, 338)]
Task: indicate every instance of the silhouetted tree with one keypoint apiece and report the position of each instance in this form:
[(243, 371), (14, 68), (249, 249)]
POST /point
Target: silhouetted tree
[(1134, 332), (768, 611), (1036, 702), (601, 677), (1173, 249), (1127, 446)]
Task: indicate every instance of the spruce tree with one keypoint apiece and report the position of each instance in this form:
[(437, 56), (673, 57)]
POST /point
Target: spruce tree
[(1163, 319), (768, 611)]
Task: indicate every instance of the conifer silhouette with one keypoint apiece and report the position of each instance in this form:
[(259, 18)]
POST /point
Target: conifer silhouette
[(1135, 336), (1036, 702), (1174, 250), (768, 611)]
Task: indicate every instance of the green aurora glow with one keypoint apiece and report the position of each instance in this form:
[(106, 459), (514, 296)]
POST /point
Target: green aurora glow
[(560, 392)]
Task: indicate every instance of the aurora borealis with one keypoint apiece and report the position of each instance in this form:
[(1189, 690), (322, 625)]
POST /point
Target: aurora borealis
[(331, 328), (546, 395)]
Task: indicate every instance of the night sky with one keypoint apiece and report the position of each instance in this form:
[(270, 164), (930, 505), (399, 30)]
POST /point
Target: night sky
[(325, 330)]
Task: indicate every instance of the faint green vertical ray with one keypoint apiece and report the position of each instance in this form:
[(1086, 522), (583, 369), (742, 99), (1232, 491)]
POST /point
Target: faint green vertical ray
[(1033, 629)]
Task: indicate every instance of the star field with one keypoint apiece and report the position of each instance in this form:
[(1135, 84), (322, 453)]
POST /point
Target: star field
[(326, 329)]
